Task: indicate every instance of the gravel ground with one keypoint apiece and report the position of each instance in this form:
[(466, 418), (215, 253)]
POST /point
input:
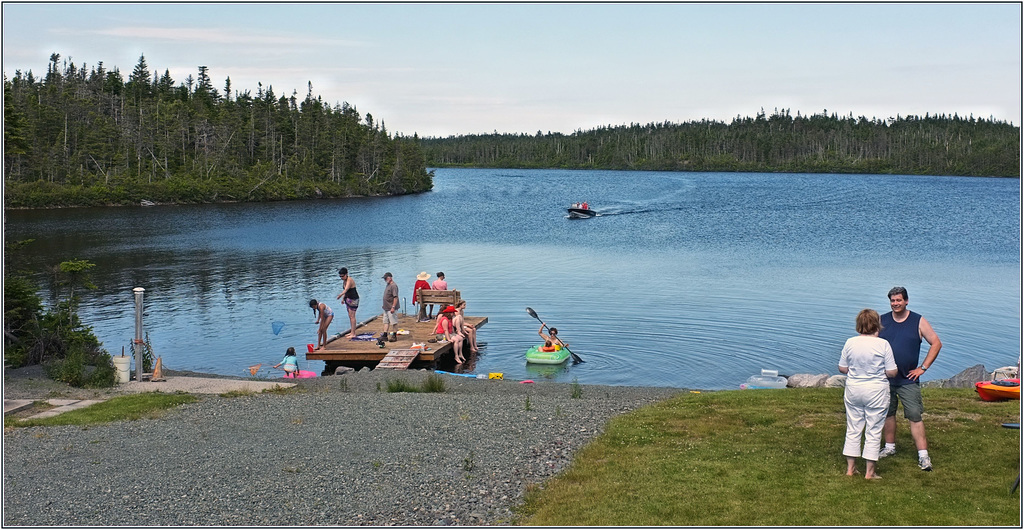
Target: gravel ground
[(338, 451)]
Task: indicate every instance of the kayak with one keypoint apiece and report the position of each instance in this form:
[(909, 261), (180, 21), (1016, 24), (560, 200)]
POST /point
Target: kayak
[(534, 355), (998, 389)]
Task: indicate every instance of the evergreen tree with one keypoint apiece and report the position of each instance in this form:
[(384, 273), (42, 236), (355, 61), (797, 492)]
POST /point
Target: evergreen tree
[(80, 137)]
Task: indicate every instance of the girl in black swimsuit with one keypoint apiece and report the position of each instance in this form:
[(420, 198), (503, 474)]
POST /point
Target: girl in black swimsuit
[(351, 298)]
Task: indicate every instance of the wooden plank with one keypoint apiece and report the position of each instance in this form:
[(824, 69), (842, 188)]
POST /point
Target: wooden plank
[(398, 359), (430, 296)]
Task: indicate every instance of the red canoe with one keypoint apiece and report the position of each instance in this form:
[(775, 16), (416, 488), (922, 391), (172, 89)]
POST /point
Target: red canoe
[(998, 390)]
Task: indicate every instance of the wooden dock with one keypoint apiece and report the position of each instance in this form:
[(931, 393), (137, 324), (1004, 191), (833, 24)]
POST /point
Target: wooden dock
[(340, 351)]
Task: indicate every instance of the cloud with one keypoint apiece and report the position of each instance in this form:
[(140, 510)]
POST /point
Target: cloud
[(220, 36)]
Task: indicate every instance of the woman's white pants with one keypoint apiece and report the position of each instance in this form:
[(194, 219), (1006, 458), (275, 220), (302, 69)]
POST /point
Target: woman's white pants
[(866, 405)]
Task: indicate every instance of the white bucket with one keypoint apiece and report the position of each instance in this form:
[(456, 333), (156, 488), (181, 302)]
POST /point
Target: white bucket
[(123, 364)]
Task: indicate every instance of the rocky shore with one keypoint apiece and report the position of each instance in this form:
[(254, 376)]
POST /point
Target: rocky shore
[(964, 379), (335, 451)]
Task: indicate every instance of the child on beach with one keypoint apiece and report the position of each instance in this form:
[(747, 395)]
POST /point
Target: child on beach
[(290, 362)]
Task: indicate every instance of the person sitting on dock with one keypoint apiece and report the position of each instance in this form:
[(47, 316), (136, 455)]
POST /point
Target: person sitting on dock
[(421, 283), (444, 328), (439, 285), (458, 334), (469, 330)]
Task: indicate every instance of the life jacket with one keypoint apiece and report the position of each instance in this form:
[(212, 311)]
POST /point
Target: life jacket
[(548, 348)]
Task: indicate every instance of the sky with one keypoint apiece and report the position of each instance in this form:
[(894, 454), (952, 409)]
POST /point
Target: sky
[(441, 69)]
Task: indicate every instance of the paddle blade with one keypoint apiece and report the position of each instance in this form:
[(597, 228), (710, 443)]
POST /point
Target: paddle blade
[(532, 313), (277, 326)]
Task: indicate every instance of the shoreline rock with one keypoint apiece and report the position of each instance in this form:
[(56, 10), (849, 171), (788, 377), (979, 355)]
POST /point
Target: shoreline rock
[(964, 379)]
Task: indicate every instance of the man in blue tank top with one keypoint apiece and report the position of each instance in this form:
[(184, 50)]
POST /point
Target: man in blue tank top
[(905, 331)]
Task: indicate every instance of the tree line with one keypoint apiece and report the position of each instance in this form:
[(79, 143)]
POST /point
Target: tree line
[(87, 136), (779, 142)]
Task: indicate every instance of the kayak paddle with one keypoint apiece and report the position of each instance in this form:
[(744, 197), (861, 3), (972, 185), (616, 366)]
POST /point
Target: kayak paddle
[(575, 358)]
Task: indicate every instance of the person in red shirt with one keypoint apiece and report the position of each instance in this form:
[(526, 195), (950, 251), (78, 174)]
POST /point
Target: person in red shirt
[(421, 283)]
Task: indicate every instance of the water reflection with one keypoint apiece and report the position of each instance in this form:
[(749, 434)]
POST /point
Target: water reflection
[(687, 280)]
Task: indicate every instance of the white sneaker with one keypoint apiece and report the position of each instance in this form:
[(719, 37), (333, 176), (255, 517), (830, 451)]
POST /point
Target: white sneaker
[(925, 462), (886, 451)]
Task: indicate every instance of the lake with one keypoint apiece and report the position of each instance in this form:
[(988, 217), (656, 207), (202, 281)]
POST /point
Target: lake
[(690, 280)]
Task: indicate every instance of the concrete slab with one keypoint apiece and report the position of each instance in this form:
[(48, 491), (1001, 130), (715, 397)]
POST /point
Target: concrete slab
[(62, 402), (14, 405), (64, 405), (201, 385), (191, 385)]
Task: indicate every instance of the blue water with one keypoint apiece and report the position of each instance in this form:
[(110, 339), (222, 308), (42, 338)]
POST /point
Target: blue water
[(692, 280)]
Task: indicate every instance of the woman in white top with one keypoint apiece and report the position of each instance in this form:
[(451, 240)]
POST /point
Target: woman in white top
[(867, 362)]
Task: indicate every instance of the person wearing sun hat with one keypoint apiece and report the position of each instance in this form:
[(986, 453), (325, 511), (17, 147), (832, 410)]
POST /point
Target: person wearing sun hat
[(421, 283)]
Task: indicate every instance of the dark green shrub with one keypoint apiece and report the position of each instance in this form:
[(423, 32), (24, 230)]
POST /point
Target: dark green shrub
[(104, 374), (83, 369), (22, 307)]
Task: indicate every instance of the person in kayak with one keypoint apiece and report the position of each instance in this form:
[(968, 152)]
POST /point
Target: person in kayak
[(553, 337), (548, 347)]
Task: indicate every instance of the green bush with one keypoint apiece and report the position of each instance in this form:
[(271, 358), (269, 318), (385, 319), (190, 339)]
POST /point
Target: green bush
[(22, 307), (104, 374), (82, 369), (55, 338)]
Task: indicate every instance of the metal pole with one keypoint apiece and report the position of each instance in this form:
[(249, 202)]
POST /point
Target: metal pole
[(139, 344)]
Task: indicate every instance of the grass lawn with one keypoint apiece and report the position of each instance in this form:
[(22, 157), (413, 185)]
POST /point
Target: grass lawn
[(774, 457), (130, 407)]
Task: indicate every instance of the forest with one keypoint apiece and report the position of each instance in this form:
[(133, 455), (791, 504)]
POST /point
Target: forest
[(779, 142), (87, 136)]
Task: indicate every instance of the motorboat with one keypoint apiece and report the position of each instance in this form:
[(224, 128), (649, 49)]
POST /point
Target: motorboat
[(577, 211)]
